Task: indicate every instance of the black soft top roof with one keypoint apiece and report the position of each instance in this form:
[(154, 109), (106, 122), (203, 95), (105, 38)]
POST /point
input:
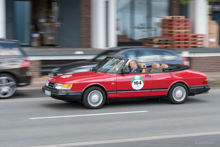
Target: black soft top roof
[(175, 67)]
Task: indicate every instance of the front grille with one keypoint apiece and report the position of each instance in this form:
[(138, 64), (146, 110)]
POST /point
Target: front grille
[(51, 84)]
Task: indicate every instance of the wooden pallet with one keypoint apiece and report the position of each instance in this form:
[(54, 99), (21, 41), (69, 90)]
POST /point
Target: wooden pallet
[(181, 42), (197, 46), (162, 46), (197, 39), (197, 35), (197, 42), (173, 17), (176, 31), (175, 21)]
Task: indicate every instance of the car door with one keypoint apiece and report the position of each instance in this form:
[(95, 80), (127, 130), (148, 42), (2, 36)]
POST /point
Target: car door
[(169, 58), (131, 54), (161, 83), (148, 57), (133, 85)]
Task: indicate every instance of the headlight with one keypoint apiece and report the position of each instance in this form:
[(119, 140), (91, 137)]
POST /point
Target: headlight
[(63, 86), (47, 83)]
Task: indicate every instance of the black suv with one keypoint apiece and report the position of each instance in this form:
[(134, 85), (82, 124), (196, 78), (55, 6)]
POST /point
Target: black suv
[(14, 70), (147, 55)]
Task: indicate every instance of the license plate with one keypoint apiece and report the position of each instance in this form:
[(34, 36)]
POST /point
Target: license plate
[(47, 92)]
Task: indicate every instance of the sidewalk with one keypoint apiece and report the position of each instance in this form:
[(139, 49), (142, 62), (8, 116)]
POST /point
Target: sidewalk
[(38, 83), (59, 51)]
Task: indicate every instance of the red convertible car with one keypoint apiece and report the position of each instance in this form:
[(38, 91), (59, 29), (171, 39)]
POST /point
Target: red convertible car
[(111, 80)]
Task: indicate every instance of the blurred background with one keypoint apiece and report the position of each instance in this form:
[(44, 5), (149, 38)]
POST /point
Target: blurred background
[(55, 32)]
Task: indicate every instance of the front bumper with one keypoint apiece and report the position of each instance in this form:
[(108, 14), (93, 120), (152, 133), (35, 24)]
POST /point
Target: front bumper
[(193, 90), (65, 95), (24, 81)]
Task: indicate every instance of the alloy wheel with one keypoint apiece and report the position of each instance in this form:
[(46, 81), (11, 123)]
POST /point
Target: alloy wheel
[(7, 86)]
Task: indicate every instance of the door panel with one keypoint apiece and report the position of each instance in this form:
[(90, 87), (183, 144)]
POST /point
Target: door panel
[(22, 16), (69, 31), (161, 83), (133, 85)]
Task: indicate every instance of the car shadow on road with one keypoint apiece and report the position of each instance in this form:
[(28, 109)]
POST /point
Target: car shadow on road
[(28, 94), (152, 102), (63, 105), (120, 103)]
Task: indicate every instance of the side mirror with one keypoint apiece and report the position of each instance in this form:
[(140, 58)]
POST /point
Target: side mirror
[(92, 69), (125, 71)]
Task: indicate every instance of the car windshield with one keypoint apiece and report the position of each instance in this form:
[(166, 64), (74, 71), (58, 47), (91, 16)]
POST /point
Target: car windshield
[(109, 65), (104, 55), (9, 49)]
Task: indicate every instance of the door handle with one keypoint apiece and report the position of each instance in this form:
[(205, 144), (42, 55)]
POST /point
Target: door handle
[(148, 76)]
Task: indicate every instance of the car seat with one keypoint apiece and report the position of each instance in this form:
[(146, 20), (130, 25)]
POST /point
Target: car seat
[(155, 68), (142, 65), (163, 66)]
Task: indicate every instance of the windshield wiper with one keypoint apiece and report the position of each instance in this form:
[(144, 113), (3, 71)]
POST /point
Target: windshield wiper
[(93, 69)]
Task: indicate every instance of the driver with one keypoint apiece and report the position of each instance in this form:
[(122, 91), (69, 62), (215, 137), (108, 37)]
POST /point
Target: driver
[(133, 65)]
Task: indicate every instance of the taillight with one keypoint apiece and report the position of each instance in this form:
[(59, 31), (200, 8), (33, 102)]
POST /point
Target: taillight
[(182, 63), (206, 81), (25, 64)]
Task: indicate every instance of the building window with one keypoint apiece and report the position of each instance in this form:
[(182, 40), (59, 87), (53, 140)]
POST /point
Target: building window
[(137, 19)]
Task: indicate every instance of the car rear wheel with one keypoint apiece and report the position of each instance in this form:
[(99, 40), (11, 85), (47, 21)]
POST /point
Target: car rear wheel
[(94, 98), (178, 93), (8, 85)]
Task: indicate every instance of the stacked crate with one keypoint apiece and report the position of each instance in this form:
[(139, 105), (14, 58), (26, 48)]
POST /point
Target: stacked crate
[(158, 42), (178, 28), (197, 40)]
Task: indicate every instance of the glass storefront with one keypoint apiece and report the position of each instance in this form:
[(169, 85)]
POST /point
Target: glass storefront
[(214, 12), (22, 21), (137, 19)]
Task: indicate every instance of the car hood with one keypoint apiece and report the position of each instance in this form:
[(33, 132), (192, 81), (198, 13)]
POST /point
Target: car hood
[(90, 76), (75, 65)]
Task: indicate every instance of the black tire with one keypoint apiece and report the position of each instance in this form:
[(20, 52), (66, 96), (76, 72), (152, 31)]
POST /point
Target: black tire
[(97, 94), (178, 93), (9, 79)]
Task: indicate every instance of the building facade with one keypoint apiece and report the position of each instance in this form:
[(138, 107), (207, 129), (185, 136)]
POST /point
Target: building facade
[(93, 23)]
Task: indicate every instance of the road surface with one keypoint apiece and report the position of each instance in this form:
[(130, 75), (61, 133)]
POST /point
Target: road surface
[(32, 119)]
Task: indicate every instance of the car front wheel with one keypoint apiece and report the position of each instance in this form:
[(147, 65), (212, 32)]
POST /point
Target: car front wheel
[(94, 98), (7, 85), (178, 93)]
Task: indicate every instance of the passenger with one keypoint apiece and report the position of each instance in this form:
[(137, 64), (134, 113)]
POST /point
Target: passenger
[(133, 65)]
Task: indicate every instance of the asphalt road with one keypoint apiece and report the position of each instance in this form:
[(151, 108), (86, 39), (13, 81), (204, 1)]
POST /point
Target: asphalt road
[(32, 119)]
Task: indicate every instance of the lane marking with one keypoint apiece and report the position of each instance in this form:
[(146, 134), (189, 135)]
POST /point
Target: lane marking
[(31, 88), (26, 100), (86, 115), (132, 139), (62, 57)]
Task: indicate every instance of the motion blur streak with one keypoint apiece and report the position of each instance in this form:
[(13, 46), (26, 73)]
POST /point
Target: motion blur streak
[(132, 139)]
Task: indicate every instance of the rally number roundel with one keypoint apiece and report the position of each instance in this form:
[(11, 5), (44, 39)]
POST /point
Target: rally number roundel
[(137, 82)]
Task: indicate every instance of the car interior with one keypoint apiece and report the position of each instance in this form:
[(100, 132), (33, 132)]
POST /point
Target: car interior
[(155, 68)]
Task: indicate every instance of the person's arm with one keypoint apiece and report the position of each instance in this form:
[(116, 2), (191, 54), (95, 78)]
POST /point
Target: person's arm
[(127, 64)]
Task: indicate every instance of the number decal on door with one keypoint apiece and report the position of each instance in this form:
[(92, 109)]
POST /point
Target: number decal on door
[(137, 82)]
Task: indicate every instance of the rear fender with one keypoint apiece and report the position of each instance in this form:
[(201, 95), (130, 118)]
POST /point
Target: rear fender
[(176, 83)]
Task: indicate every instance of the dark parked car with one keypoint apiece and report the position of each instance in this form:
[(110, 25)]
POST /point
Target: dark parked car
[(13, 68), (147, 55)]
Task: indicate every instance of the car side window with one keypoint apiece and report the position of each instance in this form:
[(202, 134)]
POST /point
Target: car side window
[(148, 56), (167, 56), (9, 49), (104, 55), (129, 54)]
